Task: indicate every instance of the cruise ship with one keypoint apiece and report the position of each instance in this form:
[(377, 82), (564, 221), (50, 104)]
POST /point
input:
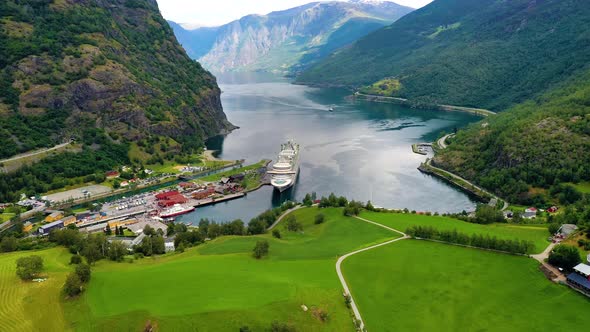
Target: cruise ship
[(176, 210), (284, 171)]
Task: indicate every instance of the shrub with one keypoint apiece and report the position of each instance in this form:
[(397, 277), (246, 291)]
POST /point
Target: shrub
[(75, 259), (319, 218), (260, 249), (276, 233), (83, 272), (73, 285)]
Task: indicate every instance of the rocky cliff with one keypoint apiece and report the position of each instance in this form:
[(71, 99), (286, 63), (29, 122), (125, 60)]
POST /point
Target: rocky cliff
[(70, 68), (289, 40)]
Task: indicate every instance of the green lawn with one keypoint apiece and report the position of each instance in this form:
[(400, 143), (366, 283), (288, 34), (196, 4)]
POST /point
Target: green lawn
[(538, 234), (220, 287), (416, 285), (32, 306), (218, 176), (6, 217), (583, 187)]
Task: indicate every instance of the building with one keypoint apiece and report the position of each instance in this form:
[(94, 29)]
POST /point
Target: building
[(552, 209), (531, 209), (202, 194), (54, 216), (112, 174), (580, 278), (169, 246), (69, 220), (45, 229), (566, 229), (27, 227), (170, 198), (237, 177), (529, 214)]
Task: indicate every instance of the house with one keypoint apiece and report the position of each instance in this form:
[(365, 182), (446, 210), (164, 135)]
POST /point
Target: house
[(124, 184), (112, 174), (531, 209), (202, 194), (27, 227), (529, 215), (170, 198), (552, 209), (187, 185), (69, 220), (580, 278), (45, 229), (566, 229), (169, 246), (224, 180), (54, 216)]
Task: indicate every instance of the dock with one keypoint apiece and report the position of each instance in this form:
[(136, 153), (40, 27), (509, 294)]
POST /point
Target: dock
[(212, 200)]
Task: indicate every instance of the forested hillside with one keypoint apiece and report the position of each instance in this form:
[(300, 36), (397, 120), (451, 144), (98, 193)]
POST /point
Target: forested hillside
[(527, 153), (69, 66), (487, 53), (286, 41), (102, 72)]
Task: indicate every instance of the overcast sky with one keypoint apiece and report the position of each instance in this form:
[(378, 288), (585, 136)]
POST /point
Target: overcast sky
[(217, 12)]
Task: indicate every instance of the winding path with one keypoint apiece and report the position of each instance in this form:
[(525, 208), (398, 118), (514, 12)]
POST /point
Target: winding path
[(355, 309)]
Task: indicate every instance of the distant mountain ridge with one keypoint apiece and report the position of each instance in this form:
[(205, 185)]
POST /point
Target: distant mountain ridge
[(288, 40)]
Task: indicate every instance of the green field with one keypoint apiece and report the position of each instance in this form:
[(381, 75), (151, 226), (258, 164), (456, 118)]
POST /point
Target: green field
[(31, 306), (220, 287), (583, 187), (536, 233), (416, 285)]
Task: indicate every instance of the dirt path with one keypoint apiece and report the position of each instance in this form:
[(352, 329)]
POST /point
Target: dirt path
[(355, 309), (284, 215), (541, 259), (34, 153)]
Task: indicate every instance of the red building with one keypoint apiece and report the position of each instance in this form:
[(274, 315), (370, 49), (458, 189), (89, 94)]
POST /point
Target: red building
[(170, 198)]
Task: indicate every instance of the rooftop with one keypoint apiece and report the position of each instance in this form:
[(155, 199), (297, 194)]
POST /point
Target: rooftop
[(579, 280), (582, 269)]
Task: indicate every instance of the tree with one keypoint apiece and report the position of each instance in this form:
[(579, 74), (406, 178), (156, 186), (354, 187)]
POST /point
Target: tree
[(149, 230), (75, 259), (158, 245), (292, 224), (260, 249), (83, 272), (276, 233), (369, 206), (276, 326), (108, 230), (307, 200), (117, 251), (553, 228), (8, 244), (29, 267), (564, 256), (73, 285), (319, 218)]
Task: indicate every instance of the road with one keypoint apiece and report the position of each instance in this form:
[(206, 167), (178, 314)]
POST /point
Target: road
[(34, 153), (355, 309), (442, 143), (544, 255)]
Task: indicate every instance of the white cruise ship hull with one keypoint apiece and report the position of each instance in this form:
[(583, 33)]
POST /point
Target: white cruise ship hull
[(284, 171)]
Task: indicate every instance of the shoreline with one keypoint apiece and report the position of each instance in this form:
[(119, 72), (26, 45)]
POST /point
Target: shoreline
[(441, 107)]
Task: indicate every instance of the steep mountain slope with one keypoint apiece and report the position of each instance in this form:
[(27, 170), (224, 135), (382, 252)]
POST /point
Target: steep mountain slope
[(83, 68), (287, 40), (529, 148), (487, 53)]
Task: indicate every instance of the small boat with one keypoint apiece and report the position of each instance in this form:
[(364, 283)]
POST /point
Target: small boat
[(331, 109)]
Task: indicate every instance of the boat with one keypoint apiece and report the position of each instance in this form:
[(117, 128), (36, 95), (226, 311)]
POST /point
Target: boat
[(176, 210), (331, 109), (284, 172)]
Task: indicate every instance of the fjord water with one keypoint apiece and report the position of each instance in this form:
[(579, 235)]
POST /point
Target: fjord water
[(361, 150)]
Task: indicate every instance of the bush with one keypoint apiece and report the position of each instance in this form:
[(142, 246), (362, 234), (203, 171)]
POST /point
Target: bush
[(260, 249), (292, 224), (73, 285), (29, 267), (76, 259), (83, 272), (319, 218), (553, 228), (276, 326), (276, 233)]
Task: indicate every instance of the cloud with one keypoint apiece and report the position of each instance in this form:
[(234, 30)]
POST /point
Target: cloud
[(218, 12)]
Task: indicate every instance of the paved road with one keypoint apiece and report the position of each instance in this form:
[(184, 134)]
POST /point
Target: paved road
[(33, 153), (442, 143), (355, 309)]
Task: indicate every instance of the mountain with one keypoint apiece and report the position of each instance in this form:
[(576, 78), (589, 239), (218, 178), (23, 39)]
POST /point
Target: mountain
[(101, 72), (289, 40), (487, 53)]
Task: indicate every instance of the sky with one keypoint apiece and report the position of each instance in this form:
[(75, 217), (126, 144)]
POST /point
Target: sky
[(218, 12)]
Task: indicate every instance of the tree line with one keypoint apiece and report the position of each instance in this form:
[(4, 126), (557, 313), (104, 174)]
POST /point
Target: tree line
[(475, 240)]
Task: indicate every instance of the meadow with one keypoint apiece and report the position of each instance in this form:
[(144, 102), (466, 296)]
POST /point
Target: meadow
[(220, 287), (538, 234), (414, 285)]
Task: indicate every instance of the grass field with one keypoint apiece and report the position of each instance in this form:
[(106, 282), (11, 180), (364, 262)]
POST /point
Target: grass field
[(583, 187), (220, 287), (4, 217), (424, 286), (31, 306), (536, 233)]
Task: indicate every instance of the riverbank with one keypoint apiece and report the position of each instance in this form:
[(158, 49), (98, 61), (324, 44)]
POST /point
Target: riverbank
[(450, 108)]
